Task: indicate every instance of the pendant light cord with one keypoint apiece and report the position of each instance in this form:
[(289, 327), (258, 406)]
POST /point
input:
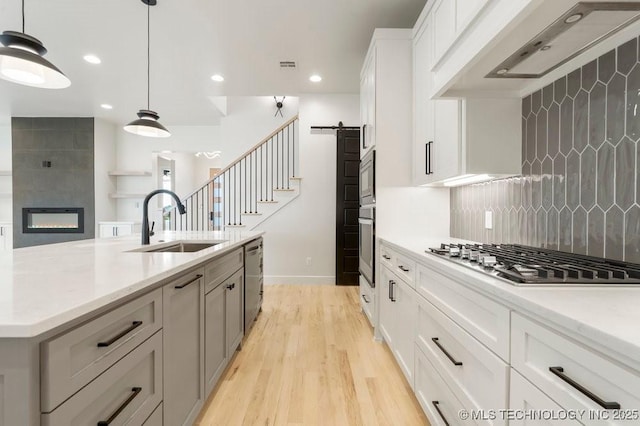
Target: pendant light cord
[(148, 55), (22, 16)]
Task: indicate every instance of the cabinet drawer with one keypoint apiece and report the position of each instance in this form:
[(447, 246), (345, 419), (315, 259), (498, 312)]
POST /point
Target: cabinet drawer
[(537, 349), (221, 269), (486, 320), (367, 299), (406, 269), (386, 256), (73, 359), (399, 264), (526, 397), (155, 419), (436, 399), (127, 393), (468, 366)]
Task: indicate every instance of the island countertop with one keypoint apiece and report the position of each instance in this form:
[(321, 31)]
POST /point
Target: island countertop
[(46, 286)]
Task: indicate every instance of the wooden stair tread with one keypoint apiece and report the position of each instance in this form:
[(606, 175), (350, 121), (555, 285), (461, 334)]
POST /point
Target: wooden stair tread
[(251, 214), (268, 202), (284, 190)]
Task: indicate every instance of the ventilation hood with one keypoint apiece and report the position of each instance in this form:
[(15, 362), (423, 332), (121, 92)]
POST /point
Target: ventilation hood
[(580, 28)]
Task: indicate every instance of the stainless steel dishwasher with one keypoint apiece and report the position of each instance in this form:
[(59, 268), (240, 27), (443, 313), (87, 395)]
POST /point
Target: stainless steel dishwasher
[(253, 282)]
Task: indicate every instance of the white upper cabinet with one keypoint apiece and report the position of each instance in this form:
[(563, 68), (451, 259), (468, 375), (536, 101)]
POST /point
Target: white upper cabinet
[(368, 103), (456, 138)]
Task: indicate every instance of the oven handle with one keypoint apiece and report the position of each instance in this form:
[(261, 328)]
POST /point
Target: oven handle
[(364, 221)]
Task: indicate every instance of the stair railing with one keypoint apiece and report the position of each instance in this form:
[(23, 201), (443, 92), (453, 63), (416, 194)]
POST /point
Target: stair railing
[(240, 188)]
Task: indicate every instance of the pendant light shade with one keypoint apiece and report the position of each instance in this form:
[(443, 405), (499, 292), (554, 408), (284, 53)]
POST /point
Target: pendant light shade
[(147, 123), (22, 61)]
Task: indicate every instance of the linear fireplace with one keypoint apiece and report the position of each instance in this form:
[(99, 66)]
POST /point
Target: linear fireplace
[(53, 220)]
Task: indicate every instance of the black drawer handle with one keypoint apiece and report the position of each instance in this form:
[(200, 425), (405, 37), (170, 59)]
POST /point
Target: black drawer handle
[(402, 268), (364, 296), (192, 281), (120, 335), (444, 351), (386, 257), (231, 286), (437, 405), (134, 392), (559, 371), (392, 295)]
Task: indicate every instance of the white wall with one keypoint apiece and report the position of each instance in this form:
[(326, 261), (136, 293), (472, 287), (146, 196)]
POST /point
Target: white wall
[(6, 211), (305, 228), (104, 138)]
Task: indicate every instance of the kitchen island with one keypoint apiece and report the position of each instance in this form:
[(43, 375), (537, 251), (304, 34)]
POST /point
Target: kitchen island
[(80, 320)]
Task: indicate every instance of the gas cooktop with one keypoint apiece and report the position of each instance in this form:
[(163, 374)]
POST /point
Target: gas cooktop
[(523, 265)]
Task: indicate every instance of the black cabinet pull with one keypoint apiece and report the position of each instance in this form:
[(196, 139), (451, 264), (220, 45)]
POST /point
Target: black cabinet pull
[(437, 405), (444, 351), (364, 297), (392, 296), (197, 277), (402, 268), (559, 371), (231, 286), (386, 257), (428, 157), (120, 335), (364, 136), (134, 392)]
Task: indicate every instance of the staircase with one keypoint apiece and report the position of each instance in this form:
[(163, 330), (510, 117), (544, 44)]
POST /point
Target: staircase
[(248, 191)]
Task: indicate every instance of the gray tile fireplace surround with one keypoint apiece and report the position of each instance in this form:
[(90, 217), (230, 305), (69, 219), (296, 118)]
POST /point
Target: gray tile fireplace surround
[(580, 184)]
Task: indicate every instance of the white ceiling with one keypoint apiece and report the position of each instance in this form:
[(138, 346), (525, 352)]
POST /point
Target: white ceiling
[(244, 40)]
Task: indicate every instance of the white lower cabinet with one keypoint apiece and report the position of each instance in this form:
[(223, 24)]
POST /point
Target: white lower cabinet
[(367, 299), (398, 311), (183, 316), (117, 229), (573, 375), (529, 406), (438, 402), (155, 419), (467, 366)]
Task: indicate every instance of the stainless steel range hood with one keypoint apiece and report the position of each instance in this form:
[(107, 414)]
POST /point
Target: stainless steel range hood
[(580, 28)]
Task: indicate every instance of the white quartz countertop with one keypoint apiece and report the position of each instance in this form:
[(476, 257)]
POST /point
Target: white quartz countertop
[(46, 286), (607, 317)]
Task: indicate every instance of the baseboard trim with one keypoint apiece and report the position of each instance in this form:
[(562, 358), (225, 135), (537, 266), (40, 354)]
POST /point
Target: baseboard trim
[(299, 279)]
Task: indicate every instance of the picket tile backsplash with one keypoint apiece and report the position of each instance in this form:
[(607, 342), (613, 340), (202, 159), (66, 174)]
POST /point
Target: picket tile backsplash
[(580, 188)]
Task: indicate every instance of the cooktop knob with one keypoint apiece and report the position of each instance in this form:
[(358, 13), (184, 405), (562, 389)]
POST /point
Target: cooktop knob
[(454, 251), (488, 261)]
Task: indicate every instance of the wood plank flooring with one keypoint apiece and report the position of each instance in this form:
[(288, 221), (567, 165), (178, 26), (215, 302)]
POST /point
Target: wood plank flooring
[(310, 359)]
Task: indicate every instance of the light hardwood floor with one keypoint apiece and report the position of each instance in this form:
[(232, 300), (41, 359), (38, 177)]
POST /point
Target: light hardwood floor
[(310, 359)]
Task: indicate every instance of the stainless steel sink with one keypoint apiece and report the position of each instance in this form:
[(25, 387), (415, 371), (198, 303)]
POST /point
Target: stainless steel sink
[(177, 247)]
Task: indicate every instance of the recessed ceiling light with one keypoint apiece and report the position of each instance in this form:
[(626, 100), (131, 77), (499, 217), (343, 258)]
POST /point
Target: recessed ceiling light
[(573, 18), (315, 78), (547, 47), (217, 77), (92, 59), (502, 71), (106, 106)]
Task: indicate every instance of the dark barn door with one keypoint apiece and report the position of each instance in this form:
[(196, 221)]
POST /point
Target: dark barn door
[(347, 207)]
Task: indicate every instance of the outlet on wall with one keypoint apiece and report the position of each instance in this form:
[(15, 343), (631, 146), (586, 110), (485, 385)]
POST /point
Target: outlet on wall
[(308, 261), (488, 219)]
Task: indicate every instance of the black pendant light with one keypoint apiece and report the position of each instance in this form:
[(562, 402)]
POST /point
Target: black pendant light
[(22, 62), (147, 123)]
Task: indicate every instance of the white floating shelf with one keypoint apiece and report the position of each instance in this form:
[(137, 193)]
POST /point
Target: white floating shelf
[(5, 173), (129, 173), (121, 195)]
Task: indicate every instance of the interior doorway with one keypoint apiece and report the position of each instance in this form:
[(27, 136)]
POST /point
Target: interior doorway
[(347, 206)]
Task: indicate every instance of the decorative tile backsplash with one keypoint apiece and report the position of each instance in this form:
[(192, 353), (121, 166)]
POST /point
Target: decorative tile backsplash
[(580, 184)]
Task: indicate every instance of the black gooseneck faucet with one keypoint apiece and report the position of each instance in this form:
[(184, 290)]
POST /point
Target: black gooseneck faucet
[(146, 232)]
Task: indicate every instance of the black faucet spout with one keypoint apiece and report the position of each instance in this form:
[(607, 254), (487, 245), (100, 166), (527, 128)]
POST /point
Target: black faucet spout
[(145, 211)]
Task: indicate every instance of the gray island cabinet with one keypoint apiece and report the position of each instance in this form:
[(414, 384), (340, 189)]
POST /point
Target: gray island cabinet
[(148, 359)]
